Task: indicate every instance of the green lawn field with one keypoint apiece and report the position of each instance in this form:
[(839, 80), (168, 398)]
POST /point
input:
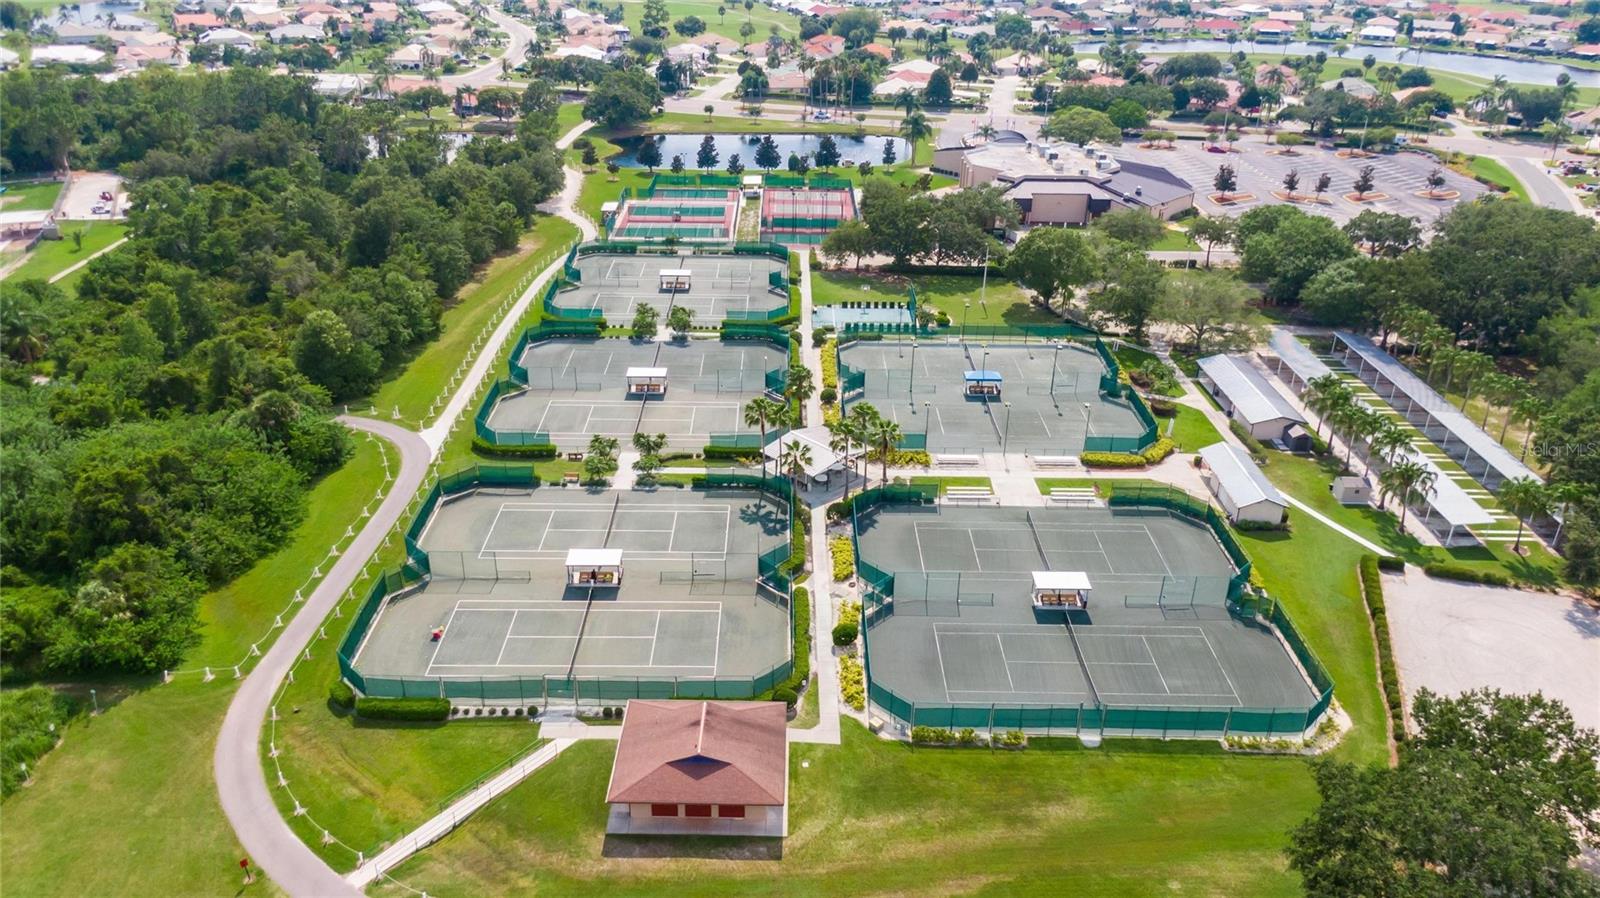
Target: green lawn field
[(959, 296), (51, 257), (472, 314), (1192, 430), (30, 197), (126, 804), (761, 16), (870, 817), (1495, 172)]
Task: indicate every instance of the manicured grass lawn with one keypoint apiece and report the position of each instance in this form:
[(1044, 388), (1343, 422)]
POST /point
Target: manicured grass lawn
[(869, 817), (51, 257), (1175, 240), (30, 197), (126, 805), (474, 312), (809, 713), (568, 117), (1493, 171), (1192, 430), (1307, 480), (1132, 357), (1002, 302), (761, 16), (945, 483)]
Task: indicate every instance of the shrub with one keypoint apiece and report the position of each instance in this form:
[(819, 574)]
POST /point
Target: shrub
[(786, 695), (921, 735), (801, 672), (1013, 739), (909, 458), (819, 335), (828, 396), (1163, 408), (967, 736), (1388, 673), (844, 558), (341, 697), (830, 364), (1112, 460), (606, 712), (730, 452), (852, 682), (31, 721), (845, 633), (1391, 564), (1282, 525), (1257, 451), (480, 446), (1158, 451), (1445, 570), (404, 708)]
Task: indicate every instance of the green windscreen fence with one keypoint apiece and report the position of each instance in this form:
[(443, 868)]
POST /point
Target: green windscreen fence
[(686, 179), (778, 563), (878, 590), (480, 422), (547, 330)]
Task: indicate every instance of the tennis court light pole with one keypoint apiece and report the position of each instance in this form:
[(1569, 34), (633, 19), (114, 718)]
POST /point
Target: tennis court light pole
[(1088, 428), (966, 309), (911, 384), (927, 416)]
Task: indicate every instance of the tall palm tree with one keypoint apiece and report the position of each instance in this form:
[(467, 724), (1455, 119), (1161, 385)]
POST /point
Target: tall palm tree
[(914, 128), (799, 385), (863, 417), (1324, 394), (885, 435), (794, 458), (1530, 409), (841, 439), (1472, 367), (1526, 498), (1387, 444), (909, 101), (1408, 482), (758, 413)]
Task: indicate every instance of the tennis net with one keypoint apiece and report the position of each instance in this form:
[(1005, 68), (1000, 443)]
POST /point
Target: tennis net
[(1037, 543)]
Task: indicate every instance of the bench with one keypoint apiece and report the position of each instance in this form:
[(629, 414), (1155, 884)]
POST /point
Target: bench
[(1056, 461), (968, 461), (969, 494), (1075, 495)]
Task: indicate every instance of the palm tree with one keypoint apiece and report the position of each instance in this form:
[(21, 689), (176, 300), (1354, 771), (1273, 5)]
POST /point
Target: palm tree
[(649, 444), (1526, 498), (1473, 366), (1530, 409), (885, 435), (1361, 422), (908, 100), (758, 413), (841, 439), (1407, 481), (794, 459), (1387, 444), (799, 384), (1323, 395), (863, 418), (914, 128)]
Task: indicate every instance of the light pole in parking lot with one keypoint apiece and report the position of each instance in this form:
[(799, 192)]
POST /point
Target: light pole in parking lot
[(1005, 436)]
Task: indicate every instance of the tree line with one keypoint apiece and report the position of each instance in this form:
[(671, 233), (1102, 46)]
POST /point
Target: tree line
[(162, 420)]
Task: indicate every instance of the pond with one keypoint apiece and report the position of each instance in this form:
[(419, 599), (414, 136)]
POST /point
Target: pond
[(1521, 71), (851, 148)]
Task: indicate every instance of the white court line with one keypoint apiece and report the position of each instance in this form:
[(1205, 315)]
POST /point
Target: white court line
[(653, 638), (1227, 679), (601, 666), (939, 654), (1037, 630), (515, 613), (922, 563), (449, 622), (1010, 683), (975, 558), (1157, 546), (1152, 655)]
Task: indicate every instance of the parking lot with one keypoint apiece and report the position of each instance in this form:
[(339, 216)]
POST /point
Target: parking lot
[(1399, 175)]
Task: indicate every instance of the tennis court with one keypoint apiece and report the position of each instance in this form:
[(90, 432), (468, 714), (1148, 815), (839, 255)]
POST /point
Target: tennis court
[(1047, 401), (803, 215), (577, 388), (718, 287), (961, 627), (710, 215), (499, 603)]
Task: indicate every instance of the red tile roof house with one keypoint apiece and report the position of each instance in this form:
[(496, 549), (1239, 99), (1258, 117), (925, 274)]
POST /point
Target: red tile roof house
[(701, 768)]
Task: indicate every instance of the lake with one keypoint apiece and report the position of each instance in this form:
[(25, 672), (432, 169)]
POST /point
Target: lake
[(1522, 71), (851, 149)]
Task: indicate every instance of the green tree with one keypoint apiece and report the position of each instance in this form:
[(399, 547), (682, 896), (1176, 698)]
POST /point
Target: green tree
[(327, 353), (623, 99), (1409, 483), (827, 152), (707, 156), (645, 321), (1081, 125), (850, 238), (1212, 230), (1289, 250), (649, 154), (939, 91), (1384, 233), (1135, 226), (1134, 286), (767, 156), (1495, 794), (1211, 309), (1052, 262), (680, 320), (1128, 115)]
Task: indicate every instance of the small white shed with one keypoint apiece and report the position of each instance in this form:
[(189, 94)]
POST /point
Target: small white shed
[(1351, 490), (1068, 590), (1244, 492), (649, 381), (594, 567), (1247, 397)]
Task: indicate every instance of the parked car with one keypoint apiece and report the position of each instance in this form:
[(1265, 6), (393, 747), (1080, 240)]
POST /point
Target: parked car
[(106, 195), (102, 209), (822, 115)]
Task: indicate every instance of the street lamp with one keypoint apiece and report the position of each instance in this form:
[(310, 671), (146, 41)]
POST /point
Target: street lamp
[(966, 309), (1054, 362), (927, 418), (1088, 426), (912, 381), (1005, 435)]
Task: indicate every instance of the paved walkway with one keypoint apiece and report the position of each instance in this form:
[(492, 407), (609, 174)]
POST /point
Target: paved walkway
[(82, 262), (448, 819), (241, 780)]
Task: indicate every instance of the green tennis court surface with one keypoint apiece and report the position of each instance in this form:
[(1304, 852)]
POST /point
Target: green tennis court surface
[(719, 286), (689, 605), (578, 388), (1049, 397), (960, 628)]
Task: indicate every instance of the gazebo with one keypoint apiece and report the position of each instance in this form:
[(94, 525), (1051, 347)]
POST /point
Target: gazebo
[(1067, 590), (594, 567), (675, 280)]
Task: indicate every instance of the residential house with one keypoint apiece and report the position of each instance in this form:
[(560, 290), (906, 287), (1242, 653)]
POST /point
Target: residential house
[(413, 58), (1379, 34), (1274, 32), (131, 57), (824, 46), (195, 22), (296, 34), (226, 37)]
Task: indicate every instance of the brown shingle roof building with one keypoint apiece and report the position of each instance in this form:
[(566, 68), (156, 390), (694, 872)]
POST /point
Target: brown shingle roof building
[(704, 768)]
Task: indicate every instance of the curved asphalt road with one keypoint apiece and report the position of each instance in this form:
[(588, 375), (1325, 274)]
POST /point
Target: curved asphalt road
[(241, 779)]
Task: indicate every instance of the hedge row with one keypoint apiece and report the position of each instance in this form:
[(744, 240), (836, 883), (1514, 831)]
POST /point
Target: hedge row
[(801, 673), (1445, 570), (842, 551), (830, 364), (403, 708), (734, 452), (1153, 454), (1258, 452), (481, 446), (1388, 673)]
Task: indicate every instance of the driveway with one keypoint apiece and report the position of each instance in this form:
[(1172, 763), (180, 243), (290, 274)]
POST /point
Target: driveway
[(1451, 637), (83, 194)]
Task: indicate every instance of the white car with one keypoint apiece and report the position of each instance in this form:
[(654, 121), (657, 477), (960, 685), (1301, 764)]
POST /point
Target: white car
[(101, 209), (822, 115)]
